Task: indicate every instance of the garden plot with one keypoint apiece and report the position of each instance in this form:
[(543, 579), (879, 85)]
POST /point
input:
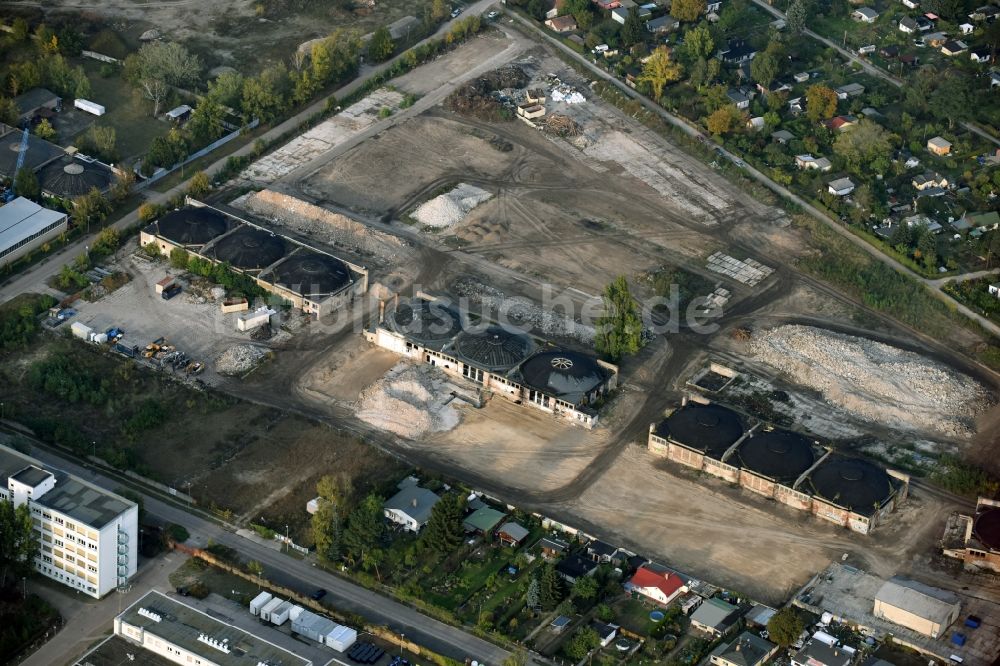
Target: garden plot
[(452, 207), (874, 381), (325, 136)]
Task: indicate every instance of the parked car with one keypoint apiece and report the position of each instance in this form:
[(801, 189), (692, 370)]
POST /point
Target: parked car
[(170, 292), (318, 594), (492, 15), (455, 12)]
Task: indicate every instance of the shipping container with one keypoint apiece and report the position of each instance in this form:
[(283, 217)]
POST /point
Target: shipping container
[(279, 615), (89, 107), (341, 638), (81, 330), (259, 601), (265, 611)]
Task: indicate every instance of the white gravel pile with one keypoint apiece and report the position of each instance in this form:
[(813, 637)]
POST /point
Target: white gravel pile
[(874, 381), (451, 207), (409, 401), (239, 359), (522, 312)]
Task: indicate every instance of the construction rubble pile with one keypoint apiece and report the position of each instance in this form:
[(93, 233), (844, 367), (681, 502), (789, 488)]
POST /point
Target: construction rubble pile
[(451, 207), (239, 359), (409, 401), (560, 125), (874, 381), (522, 312), (482, 97)]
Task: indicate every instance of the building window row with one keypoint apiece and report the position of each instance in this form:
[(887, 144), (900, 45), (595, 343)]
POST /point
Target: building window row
[(32, 237)]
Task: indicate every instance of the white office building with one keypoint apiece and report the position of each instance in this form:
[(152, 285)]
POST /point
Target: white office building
[(88, 536), (25, 226)]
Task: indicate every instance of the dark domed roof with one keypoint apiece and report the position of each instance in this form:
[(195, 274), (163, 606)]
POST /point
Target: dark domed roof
[(191, 226), (249, 248), (427, 322), (494, 348), (781, 455), (987, 528), (853, 483), (708, 428), (565, 374), (312, 273), (68, 177)]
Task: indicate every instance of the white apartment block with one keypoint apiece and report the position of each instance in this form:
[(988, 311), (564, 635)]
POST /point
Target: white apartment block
[(88, 536)]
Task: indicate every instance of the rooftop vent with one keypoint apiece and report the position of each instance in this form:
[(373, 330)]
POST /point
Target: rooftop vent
[(151, 614), (220, 645)]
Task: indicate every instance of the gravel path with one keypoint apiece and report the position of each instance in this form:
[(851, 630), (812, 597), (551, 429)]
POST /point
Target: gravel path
[(874, 381)]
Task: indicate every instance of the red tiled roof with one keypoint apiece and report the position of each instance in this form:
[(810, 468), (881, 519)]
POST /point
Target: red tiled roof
[(668, 583)]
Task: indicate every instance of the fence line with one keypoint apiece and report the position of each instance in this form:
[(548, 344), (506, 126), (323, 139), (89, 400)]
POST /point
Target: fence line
[(160, 173)]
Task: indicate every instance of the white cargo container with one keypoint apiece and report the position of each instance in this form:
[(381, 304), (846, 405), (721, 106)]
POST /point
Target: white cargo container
[(259, 602), (99, 338), (81, 330), (89, 107), (265, 612), (341, 638), (295, 612), (251, 320), (279, 615)]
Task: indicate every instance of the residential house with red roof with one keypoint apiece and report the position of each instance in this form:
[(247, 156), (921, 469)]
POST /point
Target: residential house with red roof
[(656, 583)]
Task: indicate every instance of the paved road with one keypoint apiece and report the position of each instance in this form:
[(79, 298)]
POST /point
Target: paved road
[(87, 619), (34, 279), (775, 187), (869, 67), (303, 576)]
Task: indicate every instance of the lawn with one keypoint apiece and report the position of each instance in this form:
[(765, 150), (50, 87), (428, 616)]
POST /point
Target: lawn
[(633, 615), (230, 586), (129, 114)]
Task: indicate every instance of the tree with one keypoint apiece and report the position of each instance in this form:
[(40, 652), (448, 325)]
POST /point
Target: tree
[(550, 588), (381, 46), (619, 329), (8, 111), (687, 10), (255, 568), (439, 10), (867, 147), (632, 30), (226, 89), (519, 657), (724, 120), (785, 626), (698, 42), (796, 17), (660, 70), (26, 184), (927, 247), (179, 258), (764, 68), (585, 588), (582, 642), (44, 130), (900, 237), (206, 121), (444, 531), (18, 545), (157, 66), (532, 598), (199, 185), (364, 527), (100, 142), (950, 100), (821, 102), (19, 30)]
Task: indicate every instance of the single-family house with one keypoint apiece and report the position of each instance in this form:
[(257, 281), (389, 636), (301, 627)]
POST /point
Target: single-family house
[(656, 583), (924, 24), (912, 4), (981, 55), (759, 615), (994, 289), (482, 521), (605, 553), (716, 617), (966, 28), (864, 14), (551, 548), (605, 632), (908, 25), (986, 220), (841, 123), (736, 51), (840, 187), (928, 179), (849, 90), (939, 145), (512, 534), (619, 14), (986, 13), (782, 136), (954, 47), (739, 97), (922, 221), (932, 192), (665, 23), (561, 24), (810, 162), (410, 507), (747, 649), (575, 566), (35, 102), (818, 653)]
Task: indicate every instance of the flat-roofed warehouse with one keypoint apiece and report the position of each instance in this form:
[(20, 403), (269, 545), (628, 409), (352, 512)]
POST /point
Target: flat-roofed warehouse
[(26, 226), (314, 281), (186, 635), (562, 382), (922, 608)]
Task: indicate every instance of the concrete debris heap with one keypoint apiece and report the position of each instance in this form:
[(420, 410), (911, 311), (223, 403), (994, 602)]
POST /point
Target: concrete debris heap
[(874, 381), (480, 98), (239, 359), (409, 401), (451, 207)]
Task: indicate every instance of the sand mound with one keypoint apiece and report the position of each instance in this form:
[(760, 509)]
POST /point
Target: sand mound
[(451, 207), (874, 381), (409, 401)]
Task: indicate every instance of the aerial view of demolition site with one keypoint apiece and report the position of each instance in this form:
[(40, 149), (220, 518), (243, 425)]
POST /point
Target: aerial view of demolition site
[(432, 271)]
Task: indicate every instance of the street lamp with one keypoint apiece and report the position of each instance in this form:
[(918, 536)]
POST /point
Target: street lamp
[(402, 639)]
